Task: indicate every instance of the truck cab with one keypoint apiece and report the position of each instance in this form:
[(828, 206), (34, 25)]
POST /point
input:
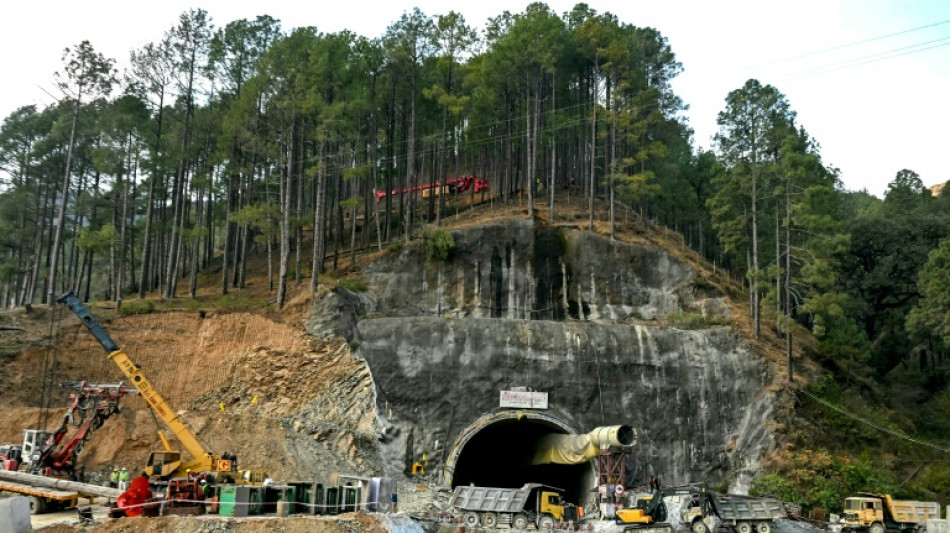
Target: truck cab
[(550, 503), (11, 455), (863, 511)]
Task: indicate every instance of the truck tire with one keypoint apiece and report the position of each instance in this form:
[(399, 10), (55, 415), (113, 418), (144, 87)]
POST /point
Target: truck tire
[(699, 527), (877, 527), (489, 520), (470, 519), (520, 521), (743, 527), (764, 527), (546, 522), (37, 505)]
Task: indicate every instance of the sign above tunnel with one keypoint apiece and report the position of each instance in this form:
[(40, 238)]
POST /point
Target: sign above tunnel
[(524, 399)]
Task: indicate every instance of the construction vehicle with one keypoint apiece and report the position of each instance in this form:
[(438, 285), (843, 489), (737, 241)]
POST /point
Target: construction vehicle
[(490, 507), (450, 186), (880, 513), (169, 463), (650, 513), (744, 514), (11, 455), (90, 405)]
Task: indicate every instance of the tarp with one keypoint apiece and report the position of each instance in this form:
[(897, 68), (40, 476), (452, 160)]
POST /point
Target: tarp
[(565, 449)]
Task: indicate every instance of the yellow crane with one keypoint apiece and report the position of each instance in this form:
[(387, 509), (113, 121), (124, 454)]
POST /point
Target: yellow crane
[(168, 463)]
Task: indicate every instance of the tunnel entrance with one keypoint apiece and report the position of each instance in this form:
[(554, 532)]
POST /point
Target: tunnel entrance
[(497, 452)]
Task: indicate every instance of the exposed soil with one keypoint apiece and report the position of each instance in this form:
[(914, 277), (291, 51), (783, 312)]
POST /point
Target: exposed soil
[(244, 382)]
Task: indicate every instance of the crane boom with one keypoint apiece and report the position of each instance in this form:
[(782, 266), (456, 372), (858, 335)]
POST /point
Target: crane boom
[(204, 459)]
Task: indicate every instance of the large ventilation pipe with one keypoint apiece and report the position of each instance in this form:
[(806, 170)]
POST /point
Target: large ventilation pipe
[(576, 449)]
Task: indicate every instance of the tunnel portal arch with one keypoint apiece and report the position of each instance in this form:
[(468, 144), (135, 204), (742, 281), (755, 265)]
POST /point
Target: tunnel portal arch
[(496, 451)]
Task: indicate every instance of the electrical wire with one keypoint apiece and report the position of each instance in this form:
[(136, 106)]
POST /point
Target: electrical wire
[(873, 425)]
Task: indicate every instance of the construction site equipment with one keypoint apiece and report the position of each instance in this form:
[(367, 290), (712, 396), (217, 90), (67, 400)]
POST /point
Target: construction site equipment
[(576, 449), (702, 510), (490, 507), (877, 513), (450, 186), (744, 513), (650, 514), (90, 405), (48, 494), (169, 463), (11, 455)]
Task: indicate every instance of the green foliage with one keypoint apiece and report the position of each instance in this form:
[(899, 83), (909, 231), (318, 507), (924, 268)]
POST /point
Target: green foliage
[(815, 478), (352, 284), (240, 302), (395, 247), (97, 240), (136, 307), (439, 243), (930, 320), (695, 320)]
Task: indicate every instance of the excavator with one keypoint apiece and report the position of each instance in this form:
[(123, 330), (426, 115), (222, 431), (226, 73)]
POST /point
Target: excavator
[(168, 463)]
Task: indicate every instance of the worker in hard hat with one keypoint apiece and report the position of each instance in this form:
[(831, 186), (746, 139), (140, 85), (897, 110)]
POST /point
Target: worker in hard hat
[(123, 479), (114, 477)]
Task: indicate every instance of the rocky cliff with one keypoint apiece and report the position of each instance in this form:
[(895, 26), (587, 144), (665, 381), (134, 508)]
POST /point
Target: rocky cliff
[(559, 311)]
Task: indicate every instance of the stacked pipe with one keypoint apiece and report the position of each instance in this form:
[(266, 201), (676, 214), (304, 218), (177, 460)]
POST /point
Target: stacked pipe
[(60, 484)]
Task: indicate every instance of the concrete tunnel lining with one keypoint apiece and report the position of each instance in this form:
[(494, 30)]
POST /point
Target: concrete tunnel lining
[(496, 451)]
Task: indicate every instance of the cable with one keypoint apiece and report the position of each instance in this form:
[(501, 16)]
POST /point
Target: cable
[(842, 46), (872, 424)]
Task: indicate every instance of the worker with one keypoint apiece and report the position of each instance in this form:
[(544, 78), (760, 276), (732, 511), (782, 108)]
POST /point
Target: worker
[(114, 477), (123, 479)]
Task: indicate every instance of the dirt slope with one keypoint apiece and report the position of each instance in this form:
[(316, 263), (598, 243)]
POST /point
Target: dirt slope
[(298, 406)]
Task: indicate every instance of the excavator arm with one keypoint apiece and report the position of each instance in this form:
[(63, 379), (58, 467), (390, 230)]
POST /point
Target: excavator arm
[(204, 459)]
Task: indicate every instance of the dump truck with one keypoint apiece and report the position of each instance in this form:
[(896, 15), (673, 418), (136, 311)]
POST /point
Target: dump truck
[(703, 510), (534, 503), (880, 513), (744, 514)]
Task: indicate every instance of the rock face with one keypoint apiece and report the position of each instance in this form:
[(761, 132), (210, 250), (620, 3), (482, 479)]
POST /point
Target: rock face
[(564, 312)]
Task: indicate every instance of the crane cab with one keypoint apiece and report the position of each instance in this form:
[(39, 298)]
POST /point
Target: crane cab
[(163, 464)]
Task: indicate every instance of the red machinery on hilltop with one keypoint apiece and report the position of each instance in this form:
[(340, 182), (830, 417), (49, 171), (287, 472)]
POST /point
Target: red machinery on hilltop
[(451, 186)]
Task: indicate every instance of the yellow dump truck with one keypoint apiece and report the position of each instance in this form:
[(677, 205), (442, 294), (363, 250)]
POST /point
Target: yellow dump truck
[(492, 507), (880, 513)]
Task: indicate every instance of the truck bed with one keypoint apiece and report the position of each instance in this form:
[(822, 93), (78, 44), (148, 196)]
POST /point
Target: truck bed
[(492, 499), (741, 508), (42, 492), (913, 511)]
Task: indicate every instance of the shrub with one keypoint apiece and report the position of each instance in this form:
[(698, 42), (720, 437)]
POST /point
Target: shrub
[(352, 285), (395, 247), (686, 320), (137, 307), (439, 243)]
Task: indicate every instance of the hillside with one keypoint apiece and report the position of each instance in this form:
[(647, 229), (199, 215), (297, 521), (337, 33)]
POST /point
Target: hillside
[(398, 355)]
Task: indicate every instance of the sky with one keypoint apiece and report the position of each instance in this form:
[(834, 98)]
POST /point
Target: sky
[(868, 79)]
